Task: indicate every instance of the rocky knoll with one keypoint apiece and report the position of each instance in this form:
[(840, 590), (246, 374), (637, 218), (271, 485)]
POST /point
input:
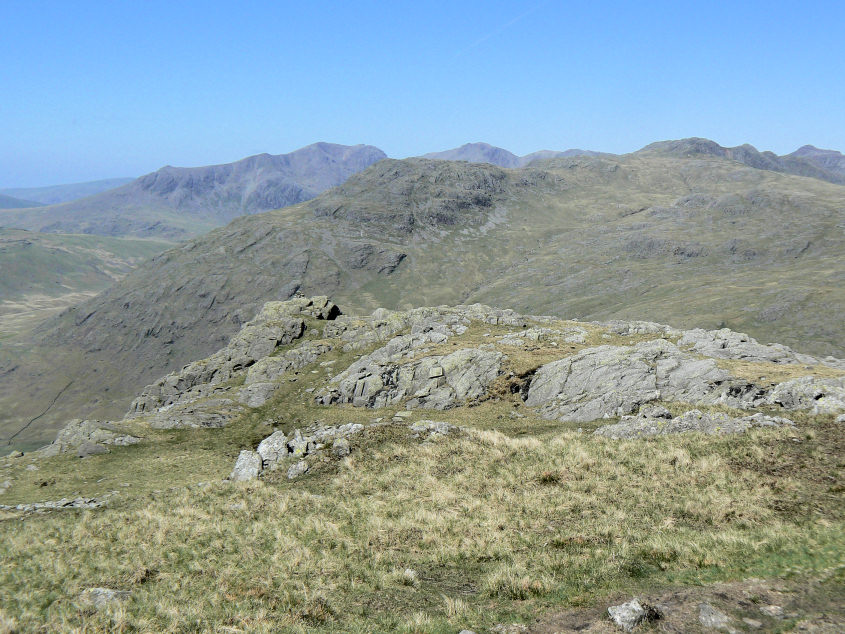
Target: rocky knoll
[(452, 357)]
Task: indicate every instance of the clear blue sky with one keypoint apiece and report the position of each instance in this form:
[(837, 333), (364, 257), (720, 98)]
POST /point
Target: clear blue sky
[(99, 89)]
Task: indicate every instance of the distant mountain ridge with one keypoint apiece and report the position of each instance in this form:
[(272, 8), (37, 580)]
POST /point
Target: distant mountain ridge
[(55, 194), (11, 202), (827, 165), (486, 153), (179, 202)]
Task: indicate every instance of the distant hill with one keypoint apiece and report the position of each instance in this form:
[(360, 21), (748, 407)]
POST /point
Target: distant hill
[(54, 194), (175, 203), (10, 202), (486, 153), (826, 165)]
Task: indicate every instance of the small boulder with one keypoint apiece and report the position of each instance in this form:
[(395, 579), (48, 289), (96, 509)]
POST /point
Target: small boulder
[(627, 615), (247, 467), (102, 597), (297, 470), (711, 617), (341, 448)]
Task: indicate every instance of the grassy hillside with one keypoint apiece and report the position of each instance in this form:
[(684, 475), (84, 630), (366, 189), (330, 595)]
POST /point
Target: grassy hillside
[(44, 273), (699, 241), (513, 519)]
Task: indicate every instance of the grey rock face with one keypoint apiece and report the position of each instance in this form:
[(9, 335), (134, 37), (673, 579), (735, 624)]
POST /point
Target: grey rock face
[(86, 437), (212, 412), (819, 395), (627, 615), (430, 429), (274, 326), (271, 369), (691, 421), (297, 469), (616, 380), (247, 467), (437, 382), (273, 448), (101, 597), (727, 344)]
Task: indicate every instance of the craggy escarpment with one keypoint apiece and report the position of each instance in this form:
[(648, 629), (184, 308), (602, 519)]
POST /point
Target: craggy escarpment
[(441, 358)]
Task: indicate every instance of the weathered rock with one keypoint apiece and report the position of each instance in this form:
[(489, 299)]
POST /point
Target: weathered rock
[(627, 328), (615, 380), (627, 615), (93, 435), (713, 618), (341, 448), (727, 344), (4, 486), (431, 429), (691, 421), (247, 467), (381, 378), (90, 449), (59, 505), (102, 597), (840, 418), (256, 394), (819, 395), (297, 469), (212, 412), (273, 368), (273, 449), (277, 324)]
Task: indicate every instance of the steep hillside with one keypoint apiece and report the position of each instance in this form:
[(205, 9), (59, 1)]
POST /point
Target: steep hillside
[(9, 202), (178, 202), (53, 194), (697, 241), (44, 273), (486, 153)]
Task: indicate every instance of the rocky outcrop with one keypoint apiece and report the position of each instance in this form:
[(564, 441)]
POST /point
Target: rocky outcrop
[(658, 422), (615, 380), (86, 438), (200, 395), (436, 382), (727, 344), (278, 450), (819, 395)]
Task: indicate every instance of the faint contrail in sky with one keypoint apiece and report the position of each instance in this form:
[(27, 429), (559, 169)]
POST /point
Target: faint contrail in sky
[(495, 32)]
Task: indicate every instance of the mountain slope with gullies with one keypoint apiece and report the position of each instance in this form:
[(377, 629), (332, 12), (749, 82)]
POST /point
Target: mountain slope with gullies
[(176, 203), (697, 242)]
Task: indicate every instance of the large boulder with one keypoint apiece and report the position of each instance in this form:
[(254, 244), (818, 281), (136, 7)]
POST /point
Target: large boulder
[(435, 382), (727, 344), (819, 395), (615, 380), (87, 437)]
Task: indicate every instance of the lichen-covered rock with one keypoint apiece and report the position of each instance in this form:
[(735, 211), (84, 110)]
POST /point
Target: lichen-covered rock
[(436, 382), (431, 429), (615, 380), (297, 469), (271, 369), (628, 615), (212, 413), (277, 324), (691, 421), (819, 395), (273, 449), (92, 435), (247, 467), (727, 344)]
